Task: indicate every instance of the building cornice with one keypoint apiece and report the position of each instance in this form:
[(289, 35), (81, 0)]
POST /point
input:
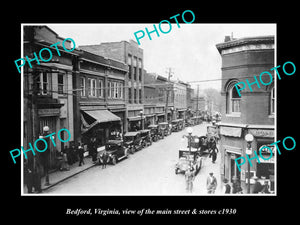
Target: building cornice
[(249, 43)]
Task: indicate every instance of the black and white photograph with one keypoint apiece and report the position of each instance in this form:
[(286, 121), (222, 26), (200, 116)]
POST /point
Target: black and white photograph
[(172, 115), (125, 112)]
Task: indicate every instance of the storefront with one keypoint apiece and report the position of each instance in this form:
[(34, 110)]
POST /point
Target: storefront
[(99, 125), (265, 170), (231, 148)]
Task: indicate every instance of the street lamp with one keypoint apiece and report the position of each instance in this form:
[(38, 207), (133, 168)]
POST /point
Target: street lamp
[(190, 131), (46, 155), (142, 124), (249, 138)]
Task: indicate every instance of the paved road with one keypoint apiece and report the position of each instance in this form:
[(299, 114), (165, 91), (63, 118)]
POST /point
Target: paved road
[(150, 171)]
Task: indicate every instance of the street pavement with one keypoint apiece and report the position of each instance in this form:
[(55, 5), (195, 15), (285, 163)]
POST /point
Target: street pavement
[(150, 171)]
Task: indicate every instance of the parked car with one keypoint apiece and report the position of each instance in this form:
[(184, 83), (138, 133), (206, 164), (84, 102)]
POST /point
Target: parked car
[(116, 151), (146, 138), (166, 128), (154, 132), (133, 141), (177, 125)]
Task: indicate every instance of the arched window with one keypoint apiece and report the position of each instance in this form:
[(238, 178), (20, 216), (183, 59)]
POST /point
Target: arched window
[(233, 99)]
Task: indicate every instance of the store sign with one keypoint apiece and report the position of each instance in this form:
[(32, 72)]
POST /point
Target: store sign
[(231, 131), (49, 112), (262, 132), (266, 154)]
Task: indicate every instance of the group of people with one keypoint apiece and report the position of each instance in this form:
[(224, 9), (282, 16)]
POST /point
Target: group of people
[(235, 188), (71, 155), (211, 182)]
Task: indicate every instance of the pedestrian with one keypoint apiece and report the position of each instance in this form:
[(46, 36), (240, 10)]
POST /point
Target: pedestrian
[(213, 149), (65, 163), (93, 147), (189, 178), (227, 187), (236, 187), (80, 154), (211, 183), (104, 159), (257, 186), (265, 188)]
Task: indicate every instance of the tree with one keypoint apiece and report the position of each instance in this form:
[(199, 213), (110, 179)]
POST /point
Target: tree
[(213, 99)]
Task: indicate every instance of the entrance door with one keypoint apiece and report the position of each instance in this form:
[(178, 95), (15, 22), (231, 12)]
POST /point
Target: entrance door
[(234, 170)]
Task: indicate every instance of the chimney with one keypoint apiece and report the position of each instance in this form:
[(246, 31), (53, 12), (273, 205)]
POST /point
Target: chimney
[(227, 38)]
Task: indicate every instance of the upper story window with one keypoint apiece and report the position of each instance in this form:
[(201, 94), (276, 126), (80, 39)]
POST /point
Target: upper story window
[(60, 83), (129, 63), (101, 89), (233, 100), (92, 87), (82, 86), (272, 101), (43, 83)]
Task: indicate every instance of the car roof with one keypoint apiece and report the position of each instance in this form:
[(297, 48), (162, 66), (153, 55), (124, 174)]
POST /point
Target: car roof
[(164, 123), (114, 141), (153, 125), (133, 133), (145, 130)]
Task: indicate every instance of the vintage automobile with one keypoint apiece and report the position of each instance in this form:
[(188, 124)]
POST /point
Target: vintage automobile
[(189, 122), (177, 125), (154, 132), (146, 138), (188, 159), (115, 150), (166, 128), (133, 141)]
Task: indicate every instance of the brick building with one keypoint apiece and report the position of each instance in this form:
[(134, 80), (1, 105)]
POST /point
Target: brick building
[(252, 112), (47, 93), (130, 54), (100, 100)]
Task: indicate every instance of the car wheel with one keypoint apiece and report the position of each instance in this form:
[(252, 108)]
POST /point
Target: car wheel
[(114, 160), (132, 150), (126, 153)]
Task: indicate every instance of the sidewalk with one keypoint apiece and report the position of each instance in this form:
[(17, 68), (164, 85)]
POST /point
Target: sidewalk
[(60, 176)]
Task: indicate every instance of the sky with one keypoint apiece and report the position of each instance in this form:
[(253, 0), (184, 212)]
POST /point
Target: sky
[(189, 50)]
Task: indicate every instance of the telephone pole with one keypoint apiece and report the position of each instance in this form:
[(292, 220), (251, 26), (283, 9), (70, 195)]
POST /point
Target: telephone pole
[(168, 90)]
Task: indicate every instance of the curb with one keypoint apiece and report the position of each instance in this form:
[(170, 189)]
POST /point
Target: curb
[(66, 178)]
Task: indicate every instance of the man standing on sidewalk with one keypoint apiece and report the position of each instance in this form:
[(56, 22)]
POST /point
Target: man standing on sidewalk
[(189, 178), (211, 183), (80, 154)]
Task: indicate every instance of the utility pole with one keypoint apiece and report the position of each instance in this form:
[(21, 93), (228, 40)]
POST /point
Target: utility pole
[(168, 90)]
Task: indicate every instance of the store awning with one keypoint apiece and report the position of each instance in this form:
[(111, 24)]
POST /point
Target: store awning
[(103, 116), (90, 118)]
